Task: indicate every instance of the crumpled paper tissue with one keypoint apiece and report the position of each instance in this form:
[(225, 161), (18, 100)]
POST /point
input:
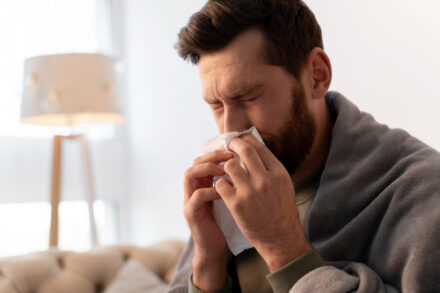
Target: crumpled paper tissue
[(235, 239)]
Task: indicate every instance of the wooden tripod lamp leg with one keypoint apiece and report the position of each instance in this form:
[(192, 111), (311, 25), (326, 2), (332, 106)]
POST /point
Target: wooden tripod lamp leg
[(90, 188), (55, 190)]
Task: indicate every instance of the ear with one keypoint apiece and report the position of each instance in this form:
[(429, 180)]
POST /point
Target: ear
[(321, 72)]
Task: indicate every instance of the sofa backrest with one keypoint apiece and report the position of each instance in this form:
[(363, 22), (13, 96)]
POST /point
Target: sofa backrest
[(55, 271)]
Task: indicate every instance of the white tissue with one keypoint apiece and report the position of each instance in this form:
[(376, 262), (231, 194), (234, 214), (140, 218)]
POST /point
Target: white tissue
[(235, 239)]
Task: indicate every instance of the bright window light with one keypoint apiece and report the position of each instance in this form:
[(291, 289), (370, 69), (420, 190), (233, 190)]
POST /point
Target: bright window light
[(25, 226), (29, 28)]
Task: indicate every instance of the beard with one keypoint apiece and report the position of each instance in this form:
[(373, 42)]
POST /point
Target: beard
[(293, 142)]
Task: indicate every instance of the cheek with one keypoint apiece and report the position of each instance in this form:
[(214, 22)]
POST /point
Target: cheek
[(268, 118)]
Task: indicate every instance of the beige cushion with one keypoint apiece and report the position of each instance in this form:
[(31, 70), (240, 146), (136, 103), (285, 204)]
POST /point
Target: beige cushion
[(55, 271), (136, 278)]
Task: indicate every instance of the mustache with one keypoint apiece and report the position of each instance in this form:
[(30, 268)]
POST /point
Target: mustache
[(265, 136), (270, 141)]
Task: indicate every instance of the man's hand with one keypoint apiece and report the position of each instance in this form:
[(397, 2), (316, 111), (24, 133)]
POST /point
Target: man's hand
[(210, 249), (263, 203)]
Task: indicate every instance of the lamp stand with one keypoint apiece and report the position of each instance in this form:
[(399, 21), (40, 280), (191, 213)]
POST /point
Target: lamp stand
[(56, 186)]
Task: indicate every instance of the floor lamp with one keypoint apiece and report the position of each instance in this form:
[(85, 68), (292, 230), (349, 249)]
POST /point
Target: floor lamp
[(68, 90)]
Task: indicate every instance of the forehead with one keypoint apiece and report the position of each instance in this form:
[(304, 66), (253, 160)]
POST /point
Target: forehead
[(238, 65)]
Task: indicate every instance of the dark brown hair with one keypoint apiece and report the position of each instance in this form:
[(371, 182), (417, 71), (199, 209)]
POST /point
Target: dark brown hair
[(290, 28)]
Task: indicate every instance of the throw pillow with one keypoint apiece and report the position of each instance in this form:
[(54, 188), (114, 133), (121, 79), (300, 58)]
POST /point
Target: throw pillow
[(134, 277)]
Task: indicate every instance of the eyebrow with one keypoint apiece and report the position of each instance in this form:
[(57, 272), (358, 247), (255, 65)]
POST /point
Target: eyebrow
[(240, 94)]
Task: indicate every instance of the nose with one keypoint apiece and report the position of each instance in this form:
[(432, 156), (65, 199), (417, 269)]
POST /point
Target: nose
[(235, 119)]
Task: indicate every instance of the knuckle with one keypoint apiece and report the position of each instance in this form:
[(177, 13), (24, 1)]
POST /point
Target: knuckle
[(229, 165), (246, 149), (197, 160), (198, 193), (263, 184), (218, 153), (280, 174), (188, 212), (245, 197), (188, 172), (238, 206), (210, 165)]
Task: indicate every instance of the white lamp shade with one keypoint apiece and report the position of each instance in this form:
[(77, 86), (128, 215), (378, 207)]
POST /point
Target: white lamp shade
[(69, 89)]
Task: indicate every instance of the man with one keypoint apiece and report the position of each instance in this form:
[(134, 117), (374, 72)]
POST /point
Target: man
[(335, 202)]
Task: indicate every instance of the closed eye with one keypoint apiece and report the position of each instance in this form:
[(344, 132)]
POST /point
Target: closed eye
[(249, 99), (216, 105)]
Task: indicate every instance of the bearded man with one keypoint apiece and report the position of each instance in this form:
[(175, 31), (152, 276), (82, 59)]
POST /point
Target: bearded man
[(334, 201)]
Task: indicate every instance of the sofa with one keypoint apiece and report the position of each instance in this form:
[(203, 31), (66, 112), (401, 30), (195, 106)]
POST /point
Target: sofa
[(56, 271)]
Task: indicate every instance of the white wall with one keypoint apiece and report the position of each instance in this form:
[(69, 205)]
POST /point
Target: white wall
[(384, 56), (167, 117)]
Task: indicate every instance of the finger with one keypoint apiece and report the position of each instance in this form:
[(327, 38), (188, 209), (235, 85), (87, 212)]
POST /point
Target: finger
[(249, 155), (224, 189), (200, 197), (214, 157), (204, 170), (200, 172), (236, 172), (268, 158)]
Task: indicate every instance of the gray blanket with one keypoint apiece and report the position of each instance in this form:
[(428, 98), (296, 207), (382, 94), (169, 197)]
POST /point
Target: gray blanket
[(375, 219)]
